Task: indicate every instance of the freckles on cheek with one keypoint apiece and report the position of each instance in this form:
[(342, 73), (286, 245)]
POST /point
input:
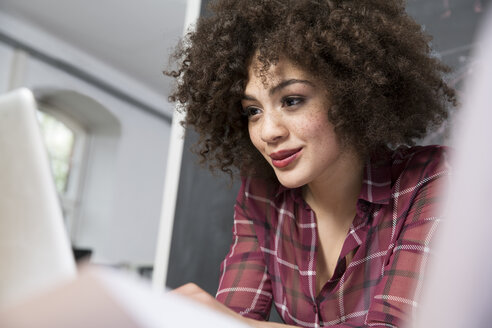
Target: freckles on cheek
[(311, 127)]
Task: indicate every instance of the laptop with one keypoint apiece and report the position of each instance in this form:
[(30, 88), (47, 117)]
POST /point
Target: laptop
[(36, 268), (35, 253)]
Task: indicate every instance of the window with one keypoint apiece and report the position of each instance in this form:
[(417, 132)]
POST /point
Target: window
[(59, 141), (82, 138), (65, 143)]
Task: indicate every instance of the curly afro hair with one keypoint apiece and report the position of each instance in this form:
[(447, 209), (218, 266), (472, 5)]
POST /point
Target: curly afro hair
[(385, 86)]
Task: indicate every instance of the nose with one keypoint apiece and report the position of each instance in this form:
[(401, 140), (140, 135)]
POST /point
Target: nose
[(273, 128)]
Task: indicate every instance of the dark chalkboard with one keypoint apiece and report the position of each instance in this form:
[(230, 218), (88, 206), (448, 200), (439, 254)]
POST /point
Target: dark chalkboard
[(204, 212), (203, 221), (203, 224)]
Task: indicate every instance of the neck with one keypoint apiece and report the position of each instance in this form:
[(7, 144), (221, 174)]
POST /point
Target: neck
[(335, 193)]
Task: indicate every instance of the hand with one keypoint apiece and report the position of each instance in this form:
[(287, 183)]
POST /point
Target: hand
[(197, 294), (194, 292)]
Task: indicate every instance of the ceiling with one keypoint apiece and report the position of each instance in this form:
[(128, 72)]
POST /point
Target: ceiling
[(133, 36)]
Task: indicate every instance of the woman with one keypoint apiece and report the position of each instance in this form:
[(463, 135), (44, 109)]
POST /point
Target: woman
[(315, 103)]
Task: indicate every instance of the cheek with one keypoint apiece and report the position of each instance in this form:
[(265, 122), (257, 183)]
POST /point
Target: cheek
[(314, 127), (254, 137), (320, 133)]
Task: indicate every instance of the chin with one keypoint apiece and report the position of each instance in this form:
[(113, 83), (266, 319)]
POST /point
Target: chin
[(290, 182)]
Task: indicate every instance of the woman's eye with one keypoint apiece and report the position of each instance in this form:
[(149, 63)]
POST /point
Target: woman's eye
[(292, 101), (251, 111)]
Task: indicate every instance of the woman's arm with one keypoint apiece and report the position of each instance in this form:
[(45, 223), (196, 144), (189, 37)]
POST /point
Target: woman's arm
[(397, 294), (244, 284)]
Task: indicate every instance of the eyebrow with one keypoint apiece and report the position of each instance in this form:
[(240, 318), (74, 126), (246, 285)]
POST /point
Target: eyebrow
[(280, 86)]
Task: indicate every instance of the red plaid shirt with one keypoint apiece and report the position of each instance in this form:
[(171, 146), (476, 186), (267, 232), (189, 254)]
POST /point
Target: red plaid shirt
[(273, 253)]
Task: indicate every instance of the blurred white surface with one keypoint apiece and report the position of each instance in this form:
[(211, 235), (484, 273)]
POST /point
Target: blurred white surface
[(103, 298), (34, 248), (459, 289)]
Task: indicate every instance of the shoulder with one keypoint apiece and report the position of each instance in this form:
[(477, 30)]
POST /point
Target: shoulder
[(419, 164), (434, 154)]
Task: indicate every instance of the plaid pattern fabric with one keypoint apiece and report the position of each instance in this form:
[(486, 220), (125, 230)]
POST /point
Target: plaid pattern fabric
[(273, 254)]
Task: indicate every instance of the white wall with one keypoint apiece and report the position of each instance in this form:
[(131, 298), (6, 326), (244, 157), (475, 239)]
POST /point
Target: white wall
[(6, 57), (33, 36), (122, 192)]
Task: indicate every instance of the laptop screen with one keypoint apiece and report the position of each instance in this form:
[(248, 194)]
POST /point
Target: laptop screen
[(34, 248)]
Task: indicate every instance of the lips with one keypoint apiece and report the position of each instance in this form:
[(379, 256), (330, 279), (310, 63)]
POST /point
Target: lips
[(283, 158)]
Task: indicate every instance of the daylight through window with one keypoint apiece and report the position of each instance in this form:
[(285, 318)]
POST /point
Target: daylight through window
[(59, 141)]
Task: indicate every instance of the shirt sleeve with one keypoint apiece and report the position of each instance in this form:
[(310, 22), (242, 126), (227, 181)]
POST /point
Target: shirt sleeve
[(245, 285), (396, 295)]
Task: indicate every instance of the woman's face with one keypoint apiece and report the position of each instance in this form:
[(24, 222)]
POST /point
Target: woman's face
[(288, 124)]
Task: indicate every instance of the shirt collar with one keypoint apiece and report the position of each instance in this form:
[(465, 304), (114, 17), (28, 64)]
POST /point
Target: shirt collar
[(376, 184), (281, 189)]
